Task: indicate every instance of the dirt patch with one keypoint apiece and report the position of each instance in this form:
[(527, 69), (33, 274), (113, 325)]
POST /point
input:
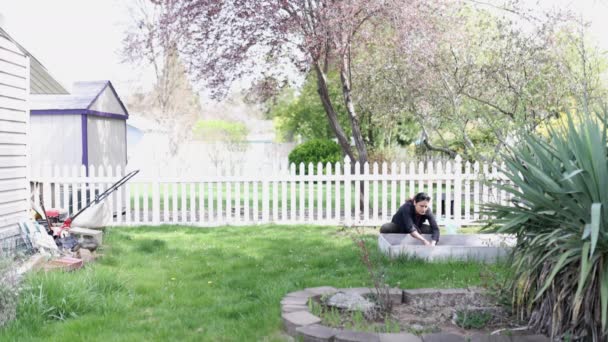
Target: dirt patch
[(464, 312)]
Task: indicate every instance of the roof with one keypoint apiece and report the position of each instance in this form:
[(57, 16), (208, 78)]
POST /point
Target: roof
[(41, 81), (82, 98)]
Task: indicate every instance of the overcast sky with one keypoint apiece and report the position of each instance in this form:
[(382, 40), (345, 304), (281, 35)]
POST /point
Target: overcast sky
[(80, 40)]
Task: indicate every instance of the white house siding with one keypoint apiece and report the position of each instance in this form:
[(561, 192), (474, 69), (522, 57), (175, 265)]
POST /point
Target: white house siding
[(55, 139), (104, 133), (14, 117), (107, 103)]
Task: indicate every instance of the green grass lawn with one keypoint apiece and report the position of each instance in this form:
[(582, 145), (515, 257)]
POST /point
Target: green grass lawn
[(172, 283)]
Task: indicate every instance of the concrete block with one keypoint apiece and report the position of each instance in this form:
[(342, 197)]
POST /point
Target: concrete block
[(316, 333), (399, 337), (439, 337), (84, 233), (356, 336)]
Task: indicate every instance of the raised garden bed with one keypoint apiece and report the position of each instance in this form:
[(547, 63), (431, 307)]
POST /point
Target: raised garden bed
[(468, 247)]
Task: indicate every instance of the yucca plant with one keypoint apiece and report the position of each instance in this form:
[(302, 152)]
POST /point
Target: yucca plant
[(559, 214)]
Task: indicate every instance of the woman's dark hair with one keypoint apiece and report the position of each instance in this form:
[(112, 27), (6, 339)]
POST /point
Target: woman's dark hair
[(421, 196)]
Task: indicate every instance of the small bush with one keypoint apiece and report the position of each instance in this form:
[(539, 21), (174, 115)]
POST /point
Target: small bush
[(315, 151), (472, 319)]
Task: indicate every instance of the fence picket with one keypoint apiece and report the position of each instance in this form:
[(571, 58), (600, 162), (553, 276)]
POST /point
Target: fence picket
[(403, 175), (467, 191), (201, 203), (457, 189), (328, 191), (192, 206), (439, 197), (229, 219), (366, 193), (448, 190), (358, 208), (476, 191), (174, 200), (292, 198), (420, 180), (210, 201), (375, 194), (384, 192), (412, 189), (337, 188), (431, 178), (347, 192), (275, 196), (394, 189), (284, 173)]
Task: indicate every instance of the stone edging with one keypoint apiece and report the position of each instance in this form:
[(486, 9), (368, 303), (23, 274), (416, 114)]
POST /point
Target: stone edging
[(300, 323)]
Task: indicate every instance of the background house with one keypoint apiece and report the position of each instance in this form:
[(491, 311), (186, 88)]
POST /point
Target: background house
[(14, 117)]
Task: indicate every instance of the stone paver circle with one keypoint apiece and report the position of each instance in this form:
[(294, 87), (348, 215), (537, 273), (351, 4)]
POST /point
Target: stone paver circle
[(300, 323)]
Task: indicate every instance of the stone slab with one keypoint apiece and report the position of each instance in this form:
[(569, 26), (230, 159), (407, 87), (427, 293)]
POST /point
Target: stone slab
[(399, 337), (294, 320), (356, 336), (321, 290), (294, 301), (316, 333), (293, 308), (300, 294)]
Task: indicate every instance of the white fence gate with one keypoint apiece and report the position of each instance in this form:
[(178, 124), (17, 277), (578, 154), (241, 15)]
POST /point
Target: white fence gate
[(319, 194)]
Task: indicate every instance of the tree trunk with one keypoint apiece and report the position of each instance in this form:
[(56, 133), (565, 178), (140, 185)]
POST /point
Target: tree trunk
[(350, 108), (331, 113)]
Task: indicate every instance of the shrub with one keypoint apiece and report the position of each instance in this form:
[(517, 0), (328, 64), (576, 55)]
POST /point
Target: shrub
[(220, 130), (315, 151), (559, 214)]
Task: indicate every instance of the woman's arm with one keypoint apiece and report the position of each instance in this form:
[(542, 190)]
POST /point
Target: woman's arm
[(417, 236), (434, 228)]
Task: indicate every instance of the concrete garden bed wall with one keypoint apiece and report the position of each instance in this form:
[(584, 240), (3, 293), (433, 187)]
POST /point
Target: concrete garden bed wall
[(473, 247)]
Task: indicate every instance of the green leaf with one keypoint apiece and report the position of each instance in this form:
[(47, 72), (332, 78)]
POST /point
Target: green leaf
[(596, 210), (586, 231), (584, 272), (604, 295), (571, 174)]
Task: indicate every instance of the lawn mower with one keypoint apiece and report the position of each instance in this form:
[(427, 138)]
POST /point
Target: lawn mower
[(56, 216)]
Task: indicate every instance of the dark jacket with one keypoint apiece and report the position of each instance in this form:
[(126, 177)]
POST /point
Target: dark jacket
[(408, 220)]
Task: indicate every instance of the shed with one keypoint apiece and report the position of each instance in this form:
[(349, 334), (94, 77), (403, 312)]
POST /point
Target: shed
[(14, 117), (85, 127)]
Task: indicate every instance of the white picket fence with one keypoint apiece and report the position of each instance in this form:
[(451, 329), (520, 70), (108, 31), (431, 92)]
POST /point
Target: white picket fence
[(326, 194)]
